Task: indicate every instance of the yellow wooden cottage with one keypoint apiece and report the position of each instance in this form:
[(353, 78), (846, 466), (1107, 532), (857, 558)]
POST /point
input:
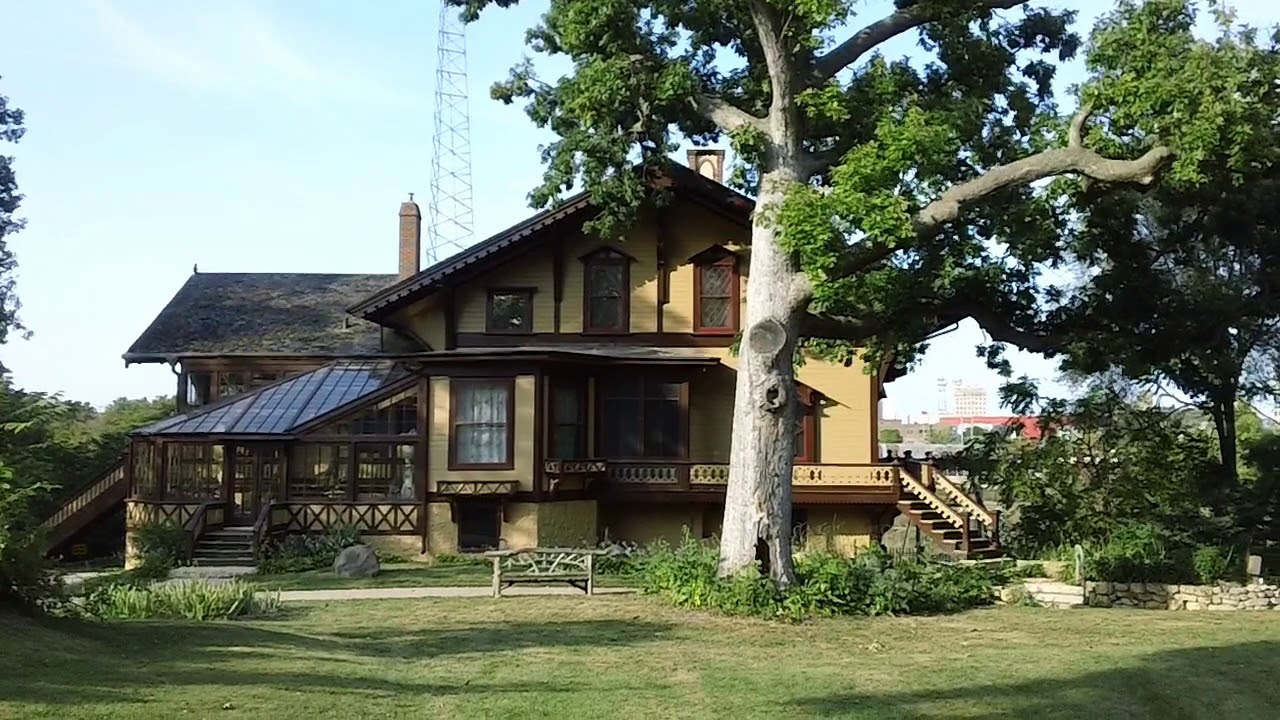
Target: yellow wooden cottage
[(544, 387)]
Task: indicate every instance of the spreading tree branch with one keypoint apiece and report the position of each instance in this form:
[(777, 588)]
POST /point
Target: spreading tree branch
[(938, 314), (724, 114), (869, 37), (1047, 164), (1074, 158)]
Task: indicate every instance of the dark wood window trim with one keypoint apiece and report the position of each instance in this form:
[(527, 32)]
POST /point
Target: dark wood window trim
[(606, 256), (807, 443), (526, 318), (721, 260), (456, 384), (603, 420)]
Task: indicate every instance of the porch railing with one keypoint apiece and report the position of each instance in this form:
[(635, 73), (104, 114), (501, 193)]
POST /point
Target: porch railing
[(677, 473)]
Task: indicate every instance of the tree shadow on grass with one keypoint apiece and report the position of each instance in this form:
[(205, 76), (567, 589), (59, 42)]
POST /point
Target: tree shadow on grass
[(1209, 682), (126, 662)]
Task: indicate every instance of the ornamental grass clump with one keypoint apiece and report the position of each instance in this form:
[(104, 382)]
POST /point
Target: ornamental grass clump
[(196, 600)]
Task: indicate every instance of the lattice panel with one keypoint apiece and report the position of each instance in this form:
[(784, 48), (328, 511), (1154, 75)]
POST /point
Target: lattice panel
[(874, 475), (476, 487), (382, 518), (143, 513), (644, 474), (708, 474), (575, 467)]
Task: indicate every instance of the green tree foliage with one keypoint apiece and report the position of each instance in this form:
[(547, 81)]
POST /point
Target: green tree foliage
[(890, 435), (11, 131), (1112, 462), (895, 196), (1184, 288), (942, 435)]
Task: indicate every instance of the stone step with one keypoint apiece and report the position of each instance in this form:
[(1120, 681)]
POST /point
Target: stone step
[(222, 552), (225, 542), (223, 562)]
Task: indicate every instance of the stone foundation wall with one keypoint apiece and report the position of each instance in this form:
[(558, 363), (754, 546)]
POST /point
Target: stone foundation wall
[(1159, 596)]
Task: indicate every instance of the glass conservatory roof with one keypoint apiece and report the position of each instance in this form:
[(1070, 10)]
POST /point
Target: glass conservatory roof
[(281, 407)]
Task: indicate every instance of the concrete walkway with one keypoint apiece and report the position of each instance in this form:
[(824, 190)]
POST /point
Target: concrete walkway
[(401, 593)]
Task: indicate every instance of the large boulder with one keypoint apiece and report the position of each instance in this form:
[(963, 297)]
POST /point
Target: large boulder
[(357, 561)]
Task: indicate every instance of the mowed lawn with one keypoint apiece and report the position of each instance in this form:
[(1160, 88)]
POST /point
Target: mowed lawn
[(632, 657)]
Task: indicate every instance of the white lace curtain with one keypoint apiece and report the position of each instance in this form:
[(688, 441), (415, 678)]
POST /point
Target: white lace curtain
[(481, 424)]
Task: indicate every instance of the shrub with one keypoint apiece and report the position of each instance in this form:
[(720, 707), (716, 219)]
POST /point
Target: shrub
[(160, 547), (26, 578), (196, 600), (1030, 570), (867, 584), (1139, 552), (620, 559), (1210, 565), (299, 553)]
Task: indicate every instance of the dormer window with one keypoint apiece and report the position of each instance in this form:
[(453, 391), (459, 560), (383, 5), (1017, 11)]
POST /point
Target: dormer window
[(509, 310), (715, 292), (606, 304)]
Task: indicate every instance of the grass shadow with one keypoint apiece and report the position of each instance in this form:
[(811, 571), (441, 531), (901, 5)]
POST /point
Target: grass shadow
[(1203, 682), (67, 663)]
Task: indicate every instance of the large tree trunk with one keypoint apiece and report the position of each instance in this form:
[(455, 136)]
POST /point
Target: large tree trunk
[(1224, 420), (758, 498)]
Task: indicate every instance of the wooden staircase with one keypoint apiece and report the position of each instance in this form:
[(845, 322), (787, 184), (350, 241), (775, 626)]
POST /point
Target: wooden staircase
[(957, 524), (224, 546), (91, 503)]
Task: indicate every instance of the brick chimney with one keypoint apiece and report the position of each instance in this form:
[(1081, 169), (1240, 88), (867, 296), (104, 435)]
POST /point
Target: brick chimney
[(410, 238), (708, 162)]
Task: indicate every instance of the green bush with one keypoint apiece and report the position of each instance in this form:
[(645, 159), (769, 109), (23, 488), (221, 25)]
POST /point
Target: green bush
[(867, 584), (1030, 570), (1210, 565), (299, 553), (620, 559), (26, 578), (196, 600), (1133, 553), (160, 546)]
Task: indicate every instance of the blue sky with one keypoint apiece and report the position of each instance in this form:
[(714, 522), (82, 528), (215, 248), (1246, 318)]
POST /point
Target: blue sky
[(262, 136)]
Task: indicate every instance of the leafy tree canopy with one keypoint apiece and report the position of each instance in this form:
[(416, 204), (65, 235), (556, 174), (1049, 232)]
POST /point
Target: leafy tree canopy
[(11, 131), (915, 202)]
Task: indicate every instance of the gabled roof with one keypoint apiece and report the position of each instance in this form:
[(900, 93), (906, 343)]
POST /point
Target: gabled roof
[(252, 313), (279, 408), (498, 246)]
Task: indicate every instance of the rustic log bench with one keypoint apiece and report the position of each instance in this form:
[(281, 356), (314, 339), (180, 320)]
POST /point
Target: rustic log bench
[(544, 565)]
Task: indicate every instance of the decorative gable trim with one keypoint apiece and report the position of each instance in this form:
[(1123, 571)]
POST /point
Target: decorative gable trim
[(713, 254), (606, 253)]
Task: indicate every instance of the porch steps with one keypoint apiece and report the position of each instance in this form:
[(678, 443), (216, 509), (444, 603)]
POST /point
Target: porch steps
[(945, 533), (225, 546)]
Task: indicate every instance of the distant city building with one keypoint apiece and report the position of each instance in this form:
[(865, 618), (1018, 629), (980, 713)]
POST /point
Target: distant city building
[(968, 400)]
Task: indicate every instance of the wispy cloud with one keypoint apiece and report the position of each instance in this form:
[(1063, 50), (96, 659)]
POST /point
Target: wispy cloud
[(229, 47)]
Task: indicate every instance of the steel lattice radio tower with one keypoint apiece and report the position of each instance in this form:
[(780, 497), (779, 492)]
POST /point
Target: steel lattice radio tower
[(449, 229)]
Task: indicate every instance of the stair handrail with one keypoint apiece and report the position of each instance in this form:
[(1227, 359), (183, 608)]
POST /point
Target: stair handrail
[(915, 486), (263, 529), (86, 495), (194, 527), (983, 516)]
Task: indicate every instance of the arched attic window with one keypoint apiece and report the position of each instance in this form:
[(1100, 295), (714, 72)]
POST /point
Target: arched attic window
[(716, 297), (606, 288)]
